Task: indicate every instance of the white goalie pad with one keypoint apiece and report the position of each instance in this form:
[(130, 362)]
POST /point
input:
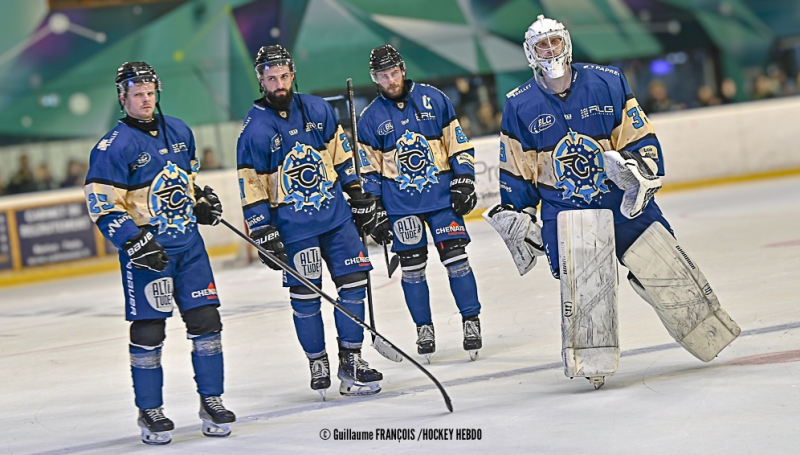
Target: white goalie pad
[(588, 269), (675, 287), (636, 176), (521, 234)]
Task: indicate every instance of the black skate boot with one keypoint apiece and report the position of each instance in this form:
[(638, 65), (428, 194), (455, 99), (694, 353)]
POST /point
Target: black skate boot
[(472, 336), (320, 374), (356, 375), (426, 341), (215, 417), (155, 426)]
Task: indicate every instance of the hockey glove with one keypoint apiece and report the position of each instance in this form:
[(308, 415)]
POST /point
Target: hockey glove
[(145, 252), (363, 206), (521, 234), (382, 234), (636, 176), (269, 238), (208, 208), (462, 194)]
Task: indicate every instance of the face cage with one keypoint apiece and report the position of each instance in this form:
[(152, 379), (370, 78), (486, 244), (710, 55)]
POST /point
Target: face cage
[(547, 64), (374, 73), (289, 63)]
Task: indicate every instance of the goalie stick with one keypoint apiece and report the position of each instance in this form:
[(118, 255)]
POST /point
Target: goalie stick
[(339, 307), (377, 343)]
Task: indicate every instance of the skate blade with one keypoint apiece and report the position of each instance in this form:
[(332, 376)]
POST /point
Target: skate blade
[(428, 358), (352, 389), (322, 393), (153, 438), (597, 381), (216, 430), (473, 355)]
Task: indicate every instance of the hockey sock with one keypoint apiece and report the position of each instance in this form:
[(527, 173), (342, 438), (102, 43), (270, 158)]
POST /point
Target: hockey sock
[(415, 288), (207, 362), (464, 288), (309, 327), (148, 377), (351, 335)]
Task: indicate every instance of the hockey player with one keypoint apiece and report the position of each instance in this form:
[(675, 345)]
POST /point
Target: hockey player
[(418, 161), (574, 138), (294, 164), (140, 192)]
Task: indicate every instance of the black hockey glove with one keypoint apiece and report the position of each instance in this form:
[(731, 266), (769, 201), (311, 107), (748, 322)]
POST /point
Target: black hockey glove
[(363, 207), (145, 253), (208, 208), (462, 194), (382, 234), (269, 238)]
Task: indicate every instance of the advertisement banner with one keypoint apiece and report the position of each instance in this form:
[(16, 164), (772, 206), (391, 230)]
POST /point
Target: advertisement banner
[(5, 244), (55, 233)]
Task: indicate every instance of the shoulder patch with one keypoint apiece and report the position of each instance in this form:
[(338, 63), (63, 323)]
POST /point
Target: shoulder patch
[(603, 69), (105, 143), (518, 90)]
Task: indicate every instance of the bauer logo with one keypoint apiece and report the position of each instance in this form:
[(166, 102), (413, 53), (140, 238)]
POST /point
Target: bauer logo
[(541, 123), (309, 263), (385, 128), (453, 229), (408, 230), (159, 294)]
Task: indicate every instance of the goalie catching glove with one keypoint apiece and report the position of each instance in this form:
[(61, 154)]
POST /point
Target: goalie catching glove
[(636, 176), (519, 231)]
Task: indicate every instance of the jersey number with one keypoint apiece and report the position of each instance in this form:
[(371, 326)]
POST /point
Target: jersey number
[(345, 142), (460, 136), (637, 119), (94, 198), (503, 152)]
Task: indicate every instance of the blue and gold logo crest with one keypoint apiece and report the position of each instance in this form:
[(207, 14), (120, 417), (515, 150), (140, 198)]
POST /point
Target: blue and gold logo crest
[(415, 162), (579, 167), (304, 178), (169, 200)]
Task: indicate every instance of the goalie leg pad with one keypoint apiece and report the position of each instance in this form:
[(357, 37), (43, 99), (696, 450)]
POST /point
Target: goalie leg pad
[(674, 286), (521, 234), (588, 270)]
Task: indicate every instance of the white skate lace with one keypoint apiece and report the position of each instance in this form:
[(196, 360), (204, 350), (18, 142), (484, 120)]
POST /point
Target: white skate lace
[(214, 403), (155, 414), (471, 331), (359, 363), (319, 369), (425, 334)]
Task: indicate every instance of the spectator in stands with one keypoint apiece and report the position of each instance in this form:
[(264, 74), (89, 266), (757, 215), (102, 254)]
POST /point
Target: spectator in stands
[(209, 160), (659, 100), (763, 88), (728, 90), (487, 121), (22, 181), (43, 177), (707, 97), (76, 174), (2, 185)]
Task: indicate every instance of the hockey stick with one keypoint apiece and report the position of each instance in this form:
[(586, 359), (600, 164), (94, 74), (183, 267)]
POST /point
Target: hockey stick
[(339, 307), (391, 266), (377, 343)]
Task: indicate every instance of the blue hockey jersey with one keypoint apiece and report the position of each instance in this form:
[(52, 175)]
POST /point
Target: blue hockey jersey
[(292, 166), (410, 149), (551, 146), (134, 180)]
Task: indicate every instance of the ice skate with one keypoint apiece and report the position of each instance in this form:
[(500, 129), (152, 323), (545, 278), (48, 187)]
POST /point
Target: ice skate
[(320, 374), (215, 417), (597, 381), (472, 336), (155, 426), (356, 375), (426, 341)]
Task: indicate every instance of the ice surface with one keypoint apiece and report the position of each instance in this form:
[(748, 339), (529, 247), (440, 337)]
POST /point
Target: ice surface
[(65, 383)]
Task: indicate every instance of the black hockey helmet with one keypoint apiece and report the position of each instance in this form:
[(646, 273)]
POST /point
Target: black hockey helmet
[(275, 55), (382, 58), (132, 72)]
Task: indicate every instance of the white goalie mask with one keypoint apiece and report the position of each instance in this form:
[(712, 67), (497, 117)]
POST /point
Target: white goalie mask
[(548, 47)]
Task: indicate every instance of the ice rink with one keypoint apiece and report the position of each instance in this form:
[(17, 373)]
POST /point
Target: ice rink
[(65, 384)]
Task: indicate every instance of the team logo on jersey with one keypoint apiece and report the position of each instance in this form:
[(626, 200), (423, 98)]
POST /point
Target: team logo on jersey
[(141, 161), (415, 162), (579, 167), (541, 123), (304, 179), (159, 294), (385, 128), (275, 143), (408, 230), (169, 200)]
